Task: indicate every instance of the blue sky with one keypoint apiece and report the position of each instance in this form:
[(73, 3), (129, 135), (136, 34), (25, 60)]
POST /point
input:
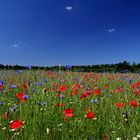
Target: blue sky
[(75, 32)]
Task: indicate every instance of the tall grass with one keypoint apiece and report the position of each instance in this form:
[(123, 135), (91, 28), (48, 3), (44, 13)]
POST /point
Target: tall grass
[(43, 120)]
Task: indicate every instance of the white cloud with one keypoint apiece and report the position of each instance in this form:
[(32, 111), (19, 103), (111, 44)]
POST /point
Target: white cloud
[(16, 45), (68, 8), (111, 30)]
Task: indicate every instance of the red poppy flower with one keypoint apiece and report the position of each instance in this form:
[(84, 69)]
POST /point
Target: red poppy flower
[(86, 77), (15, 124), (119, 90), (134, 103), (106, 86), (97, 91), (55, 87), (1, 87), (59, 105), (136, 85), (120, 104), (24, 86), (88, 91), (76, 86), (58, 95), (68, 112), (62, 88), (21, 96), (84, 95), (88, 109), (74, 92), (105, 137), (132, 87), (6, 115), (90, 115), (136, 92)]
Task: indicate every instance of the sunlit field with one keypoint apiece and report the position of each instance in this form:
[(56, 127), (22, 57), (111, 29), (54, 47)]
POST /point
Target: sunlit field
[(47, 105)]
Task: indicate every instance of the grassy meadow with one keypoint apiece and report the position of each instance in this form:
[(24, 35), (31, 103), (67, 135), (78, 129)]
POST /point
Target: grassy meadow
[(47, 105)]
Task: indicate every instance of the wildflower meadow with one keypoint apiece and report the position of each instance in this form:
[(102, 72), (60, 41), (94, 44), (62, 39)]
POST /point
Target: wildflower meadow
[(49, 105)]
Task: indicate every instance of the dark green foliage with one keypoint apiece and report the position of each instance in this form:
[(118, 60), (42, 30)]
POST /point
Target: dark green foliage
[(123, 67)]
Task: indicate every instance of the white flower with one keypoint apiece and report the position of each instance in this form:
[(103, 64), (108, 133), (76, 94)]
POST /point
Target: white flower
[(4, 128), (118, 138), (94, 118), (11, 121), (60, 124), (48, 130), (16, 133), (71, 102), (138, 136), (134, 138), (126, 119)]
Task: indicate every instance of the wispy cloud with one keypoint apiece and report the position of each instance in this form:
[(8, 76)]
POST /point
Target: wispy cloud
[(111, 30), (68, 8), (16, 45)]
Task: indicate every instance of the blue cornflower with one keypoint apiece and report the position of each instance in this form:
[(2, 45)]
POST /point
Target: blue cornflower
[(28, 67), (1, 83), (26, 96), (1, 103), (94, 101), (129, 80), (13, 108), (104, 90), (46, 80), (34, 90), (68, 67), (19, 71), (108, 95), (39, 83), (3, 91), (60, 96), (13, 86), (41, 104)]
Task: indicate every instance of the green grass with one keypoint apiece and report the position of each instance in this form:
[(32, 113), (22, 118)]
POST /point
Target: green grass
[(47, 122)]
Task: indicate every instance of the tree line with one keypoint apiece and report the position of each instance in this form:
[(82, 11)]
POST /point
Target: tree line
[(122, 67)]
